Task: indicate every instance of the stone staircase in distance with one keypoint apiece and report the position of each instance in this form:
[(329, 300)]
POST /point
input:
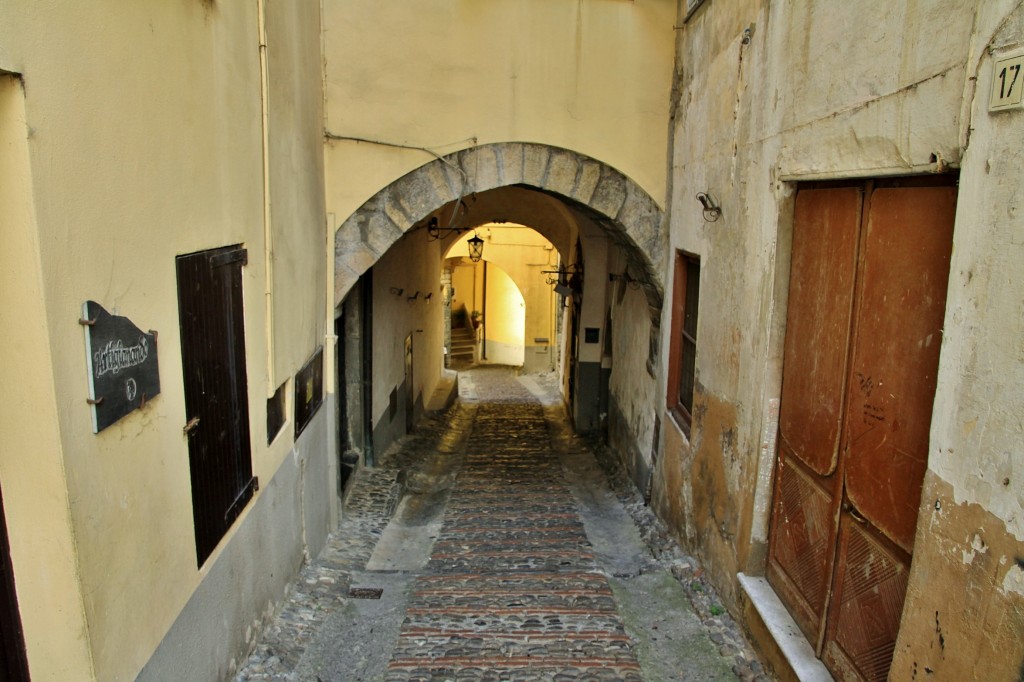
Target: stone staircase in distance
[(463, 349)]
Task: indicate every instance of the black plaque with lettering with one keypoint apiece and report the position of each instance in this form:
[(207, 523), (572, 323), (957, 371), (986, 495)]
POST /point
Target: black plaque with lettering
[(123, 372)]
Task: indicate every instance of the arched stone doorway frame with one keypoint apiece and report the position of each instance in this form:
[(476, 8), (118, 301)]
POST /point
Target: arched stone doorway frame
[(630, 217)]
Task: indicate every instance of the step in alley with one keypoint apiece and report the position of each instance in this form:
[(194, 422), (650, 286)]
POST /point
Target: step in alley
[(489, 545)]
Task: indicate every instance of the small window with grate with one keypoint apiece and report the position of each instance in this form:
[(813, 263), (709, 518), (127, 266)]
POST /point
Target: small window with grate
[(683, 354)]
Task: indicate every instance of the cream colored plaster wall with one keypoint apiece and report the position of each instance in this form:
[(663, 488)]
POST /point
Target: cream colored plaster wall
[(589, 76), (145, 142), (977, 431), (296, 184), (505, 321), (413, 265), (35, 496), (825, 90)]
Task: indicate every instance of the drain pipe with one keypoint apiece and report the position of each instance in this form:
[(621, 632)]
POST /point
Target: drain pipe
[(483, 325), (268, 237), (366, 351)]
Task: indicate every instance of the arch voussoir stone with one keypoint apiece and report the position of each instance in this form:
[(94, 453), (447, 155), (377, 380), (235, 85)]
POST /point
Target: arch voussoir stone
[(563, 167), (610, 193), (480, 164), (535, 165)]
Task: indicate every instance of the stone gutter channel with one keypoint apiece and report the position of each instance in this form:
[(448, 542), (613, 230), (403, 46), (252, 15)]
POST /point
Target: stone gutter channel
[(417, 559)]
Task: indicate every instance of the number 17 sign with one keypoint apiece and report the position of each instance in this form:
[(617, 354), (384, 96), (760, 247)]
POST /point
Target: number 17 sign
[(1007, 83)]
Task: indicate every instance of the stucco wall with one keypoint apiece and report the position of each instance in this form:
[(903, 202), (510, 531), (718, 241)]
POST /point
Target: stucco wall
[(966, 594), (591, 77), (412, 265), (36, 505), (822, 90), (523, 255), (145, 141)]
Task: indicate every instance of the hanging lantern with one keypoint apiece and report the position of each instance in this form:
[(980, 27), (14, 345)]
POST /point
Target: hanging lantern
[(476, 248)]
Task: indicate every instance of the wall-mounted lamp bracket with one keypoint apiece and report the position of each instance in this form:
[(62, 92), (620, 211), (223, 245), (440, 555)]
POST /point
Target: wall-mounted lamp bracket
[(712, 211)]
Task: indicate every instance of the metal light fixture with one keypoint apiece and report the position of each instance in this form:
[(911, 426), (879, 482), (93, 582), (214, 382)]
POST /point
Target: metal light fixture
[(712, 211), (476, 248)]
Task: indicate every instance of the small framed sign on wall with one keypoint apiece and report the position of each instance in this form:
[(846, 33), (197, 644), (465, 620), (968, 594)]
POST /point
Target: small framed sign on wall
[(309, 390), (122, 362)]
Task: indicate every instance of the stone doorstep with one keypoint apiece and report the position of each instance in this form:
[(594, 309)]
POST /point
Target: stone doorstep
[(777, 634)]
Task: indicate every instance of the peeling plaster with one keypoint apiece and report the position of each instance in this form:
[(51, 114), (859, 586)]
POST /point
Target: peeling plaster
[(1014, 580)]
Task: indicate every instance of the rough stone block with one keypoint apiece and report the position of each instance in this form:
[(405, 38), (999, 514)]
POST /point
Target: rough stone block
[(586, 183), (352, 230), (535, 164), (424, 190), (510, 163), (481, 164), (392, 204), (562, 170), (610, 194), (457, 179), (382, 232), (357, 257)]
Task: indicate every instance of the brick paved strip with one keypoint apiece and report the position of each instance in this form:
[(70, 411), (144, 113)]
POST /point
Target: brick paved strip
[(518, 662), (509, 579), (525, 635), (506, 592), (522, 612)]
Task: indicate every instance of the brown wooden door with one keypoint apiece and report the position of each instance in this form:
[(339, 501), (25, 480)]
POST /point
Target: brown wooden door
[(867, 299)]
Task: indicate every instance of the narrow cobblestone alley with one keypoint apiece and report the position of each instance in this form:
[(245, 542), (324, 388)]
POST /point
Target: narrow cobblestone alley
[(492, 548)]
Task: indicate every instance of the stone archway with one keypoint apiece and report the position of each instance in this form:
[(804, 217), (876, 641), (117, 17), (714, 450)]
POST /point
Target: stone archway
[(630, 217)]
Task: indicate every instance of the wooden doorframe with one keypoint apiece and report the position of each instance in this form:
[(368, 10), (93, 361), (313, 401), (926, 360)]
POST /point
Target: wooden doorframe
[(13, 657)]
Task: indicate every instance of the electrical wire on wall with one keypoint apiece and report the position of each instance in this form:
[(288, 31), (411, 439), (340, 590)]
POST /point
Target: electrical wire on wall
[(398, 145)]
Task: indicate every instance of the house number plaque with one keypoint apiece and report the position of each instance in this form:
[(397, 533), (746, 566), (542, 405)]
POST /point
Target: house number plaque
[(123, 372)]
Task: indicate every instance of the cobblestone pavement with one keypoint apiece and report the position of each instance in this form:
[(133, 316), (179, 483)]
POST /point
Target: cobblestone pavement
[(531, 567)]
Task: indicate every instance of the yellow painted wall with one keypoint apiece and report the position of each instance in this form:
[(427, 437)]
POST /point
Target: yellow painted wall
[(145, 142), (589, 76), (35, 495), (296, 183), (523, 255)]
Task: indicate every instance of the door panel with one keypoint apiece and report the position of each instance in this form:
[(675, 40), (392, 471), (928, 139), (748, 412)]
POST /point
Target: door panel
[(871, 582), (820, 301), (802, 529), (896, 354)]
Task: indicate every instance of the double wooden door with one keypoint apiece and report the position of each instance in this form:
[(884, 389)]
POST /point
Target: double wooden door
[(867, 299)]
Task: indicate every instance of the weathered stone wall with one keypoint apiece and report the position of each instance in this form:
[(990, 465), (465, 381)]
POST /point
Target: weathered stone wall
[(771, 94)]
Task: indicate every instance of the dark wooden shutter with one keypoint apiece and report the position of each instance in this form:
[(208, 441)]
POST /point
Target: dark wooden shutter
[(216, 401), (13, 661)]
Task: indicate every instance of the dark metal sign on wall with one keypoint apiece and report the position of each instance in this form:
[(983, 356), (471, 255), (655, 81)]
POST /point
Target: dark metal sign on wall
[(123, 372)]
